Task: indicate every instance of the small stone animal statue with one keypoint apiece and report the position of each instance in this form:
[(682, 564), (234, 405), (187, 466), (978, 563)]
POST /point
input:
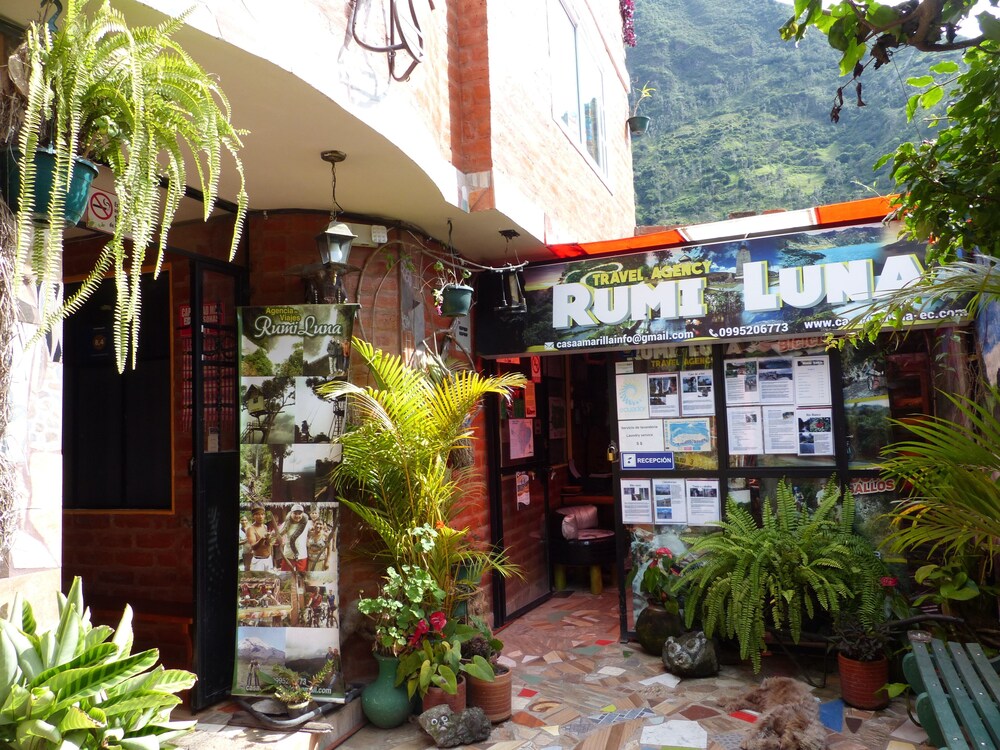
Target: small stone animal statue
[(789, 718), (690, 655), (449, 729)]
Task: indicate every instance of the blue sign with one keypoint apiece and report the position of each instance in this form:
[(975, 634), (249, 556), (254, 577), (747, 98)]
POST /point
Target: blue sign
[(647, 461)]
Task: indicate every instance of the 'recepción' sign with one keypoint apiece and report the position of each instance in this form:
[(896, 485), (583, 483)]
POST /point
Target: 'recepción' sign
[(805, 283)]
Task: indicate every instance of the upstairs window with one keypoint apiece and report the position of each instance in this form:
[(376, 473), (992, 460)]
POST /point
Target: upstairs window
[(577, 86)]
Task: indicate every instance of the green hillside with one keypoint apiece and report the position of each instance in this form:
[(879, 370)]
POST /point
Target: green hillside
[(741, 120)]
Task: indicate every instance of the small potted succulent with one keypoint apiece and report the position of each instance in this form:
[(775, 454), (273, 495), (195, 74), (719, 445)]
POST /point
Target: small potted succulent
[(293, 688)]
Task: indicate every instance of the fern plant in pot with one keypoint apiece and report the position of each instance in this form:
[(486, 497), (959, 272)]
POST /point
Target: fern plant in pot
[(748, 578), (87, 86)]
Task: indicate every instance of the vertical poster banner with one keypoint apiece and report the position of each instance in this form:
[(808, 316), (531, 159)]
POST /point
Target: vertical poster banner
[(288, 608)]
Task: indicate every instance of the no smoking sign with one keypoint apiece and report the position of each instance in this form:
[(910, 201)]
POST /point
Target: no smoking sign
[(101, 209)]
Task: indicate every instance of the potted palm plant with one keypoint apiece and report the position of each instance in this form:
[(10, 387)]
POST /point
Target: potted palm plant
[(396, 472), (87, 86)]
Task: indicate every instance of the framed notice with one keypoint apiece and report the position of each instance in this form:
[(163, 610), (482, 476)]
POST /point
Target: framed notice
[(697, 393), (632, 396), (815, 432), (776, 384), (746, 436), (664, 398), (703, 501), (636, 504), (641, 435), (669, 501), (812, 381), (741, 382), (780, 429)]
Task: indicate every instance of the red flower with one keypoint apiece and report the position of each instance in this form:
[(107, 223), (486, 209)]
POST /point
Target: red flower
[(664, 552), (438, 621), (889, 582), (419, 632)]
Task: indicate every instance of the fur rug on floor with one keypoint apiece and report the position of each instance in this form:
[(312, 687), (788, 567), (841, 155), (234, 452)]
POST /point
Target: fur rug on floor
[(789, 717)]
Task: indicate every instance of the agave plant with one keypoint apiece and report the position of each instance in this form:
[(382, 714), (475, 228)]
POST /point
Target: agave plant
[(395, 473), (798, 563), (130, 98), (953, 506), (79, 686)]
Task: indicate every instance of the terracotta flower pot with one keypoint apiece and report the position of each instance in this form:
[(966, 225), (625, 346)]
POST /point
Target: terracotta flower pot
[(493, 697), (436, 696), (861, 682)]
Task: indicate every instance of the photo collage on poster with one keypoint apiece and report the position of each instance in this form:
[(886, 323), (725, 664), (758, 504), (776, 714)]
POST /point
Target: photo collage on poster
[(287, 594), (779, 405)]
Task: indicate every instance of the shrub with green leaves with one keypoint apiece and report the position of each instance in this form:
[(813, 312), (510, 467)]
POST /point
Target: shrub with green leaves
[(79, 685), (748, 578)]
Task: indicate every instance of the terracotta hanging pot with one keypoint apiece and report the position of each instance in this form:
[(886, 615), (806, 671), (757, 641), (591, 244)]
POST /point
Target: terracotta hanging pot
[(493, 697), (861, 682)]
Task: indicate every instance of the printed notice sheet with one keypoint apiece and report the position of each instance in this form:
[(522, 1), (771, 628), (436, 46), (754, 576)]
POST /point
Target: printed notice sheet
[(776, 382), (669, 501), (636, 504), (703, 501), (741, 382), (641, 435), (688, 435), (664, 398), (815, 432), (812, 381), (780, 429), (632, 396), (697, 393), (746, 437)]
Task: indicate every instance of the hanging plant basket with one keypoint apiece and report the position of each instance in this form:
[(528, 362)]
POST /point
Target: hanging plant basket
[(638, 124), (75, 199), (456, 300)]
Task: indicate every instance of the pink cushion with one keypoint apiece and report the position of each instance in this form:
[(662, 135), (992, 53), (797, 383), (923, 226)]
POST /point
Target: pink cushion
[(576, 518), (590, 534)]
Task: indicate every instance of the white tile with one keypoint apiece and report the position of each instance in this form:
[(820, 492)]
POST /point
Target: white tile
[(677, 733)]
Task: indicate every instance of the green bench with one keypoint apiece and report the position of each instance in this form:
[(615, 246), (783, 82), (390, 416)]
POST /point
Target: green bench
[(958, 691)]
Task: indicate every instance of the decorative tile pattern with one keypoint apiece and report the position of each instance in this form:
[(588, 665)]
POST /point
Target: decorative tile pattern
[(576, 688)]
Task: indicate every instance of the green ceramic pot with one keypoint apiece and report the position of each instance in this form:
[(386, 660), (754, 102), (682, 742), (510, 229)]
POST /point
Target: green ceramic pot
[(383, 704)]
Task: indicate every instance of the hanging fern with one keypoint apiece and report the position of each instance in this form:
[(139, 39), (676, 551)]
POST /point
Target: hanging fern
[(134, 100), (797, 563)]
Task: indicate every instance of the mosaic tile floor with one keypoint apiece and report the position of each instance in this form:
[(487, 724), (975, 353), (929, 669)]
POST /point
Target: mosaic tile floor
[(576, 686)]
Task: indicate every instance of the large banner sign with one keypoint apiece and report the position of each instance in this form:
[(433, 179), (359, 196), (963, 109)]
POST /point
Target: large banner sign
[(809, 283), (287, 603)]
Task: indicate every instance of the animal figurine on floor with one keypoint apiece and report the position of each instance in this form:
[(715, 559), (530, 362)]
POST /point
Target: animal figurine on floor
[(449, 729), (690, 655), (789, 717)]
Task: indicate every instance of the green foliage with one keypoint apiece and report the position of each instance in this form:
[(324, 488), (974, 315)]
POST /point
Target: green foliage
[(407, 597), (953, 508), (437, 662), (291, 687), (133, 99), (396, 473), (748, 578), (72, 687), (947, 583), (745, 118)]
